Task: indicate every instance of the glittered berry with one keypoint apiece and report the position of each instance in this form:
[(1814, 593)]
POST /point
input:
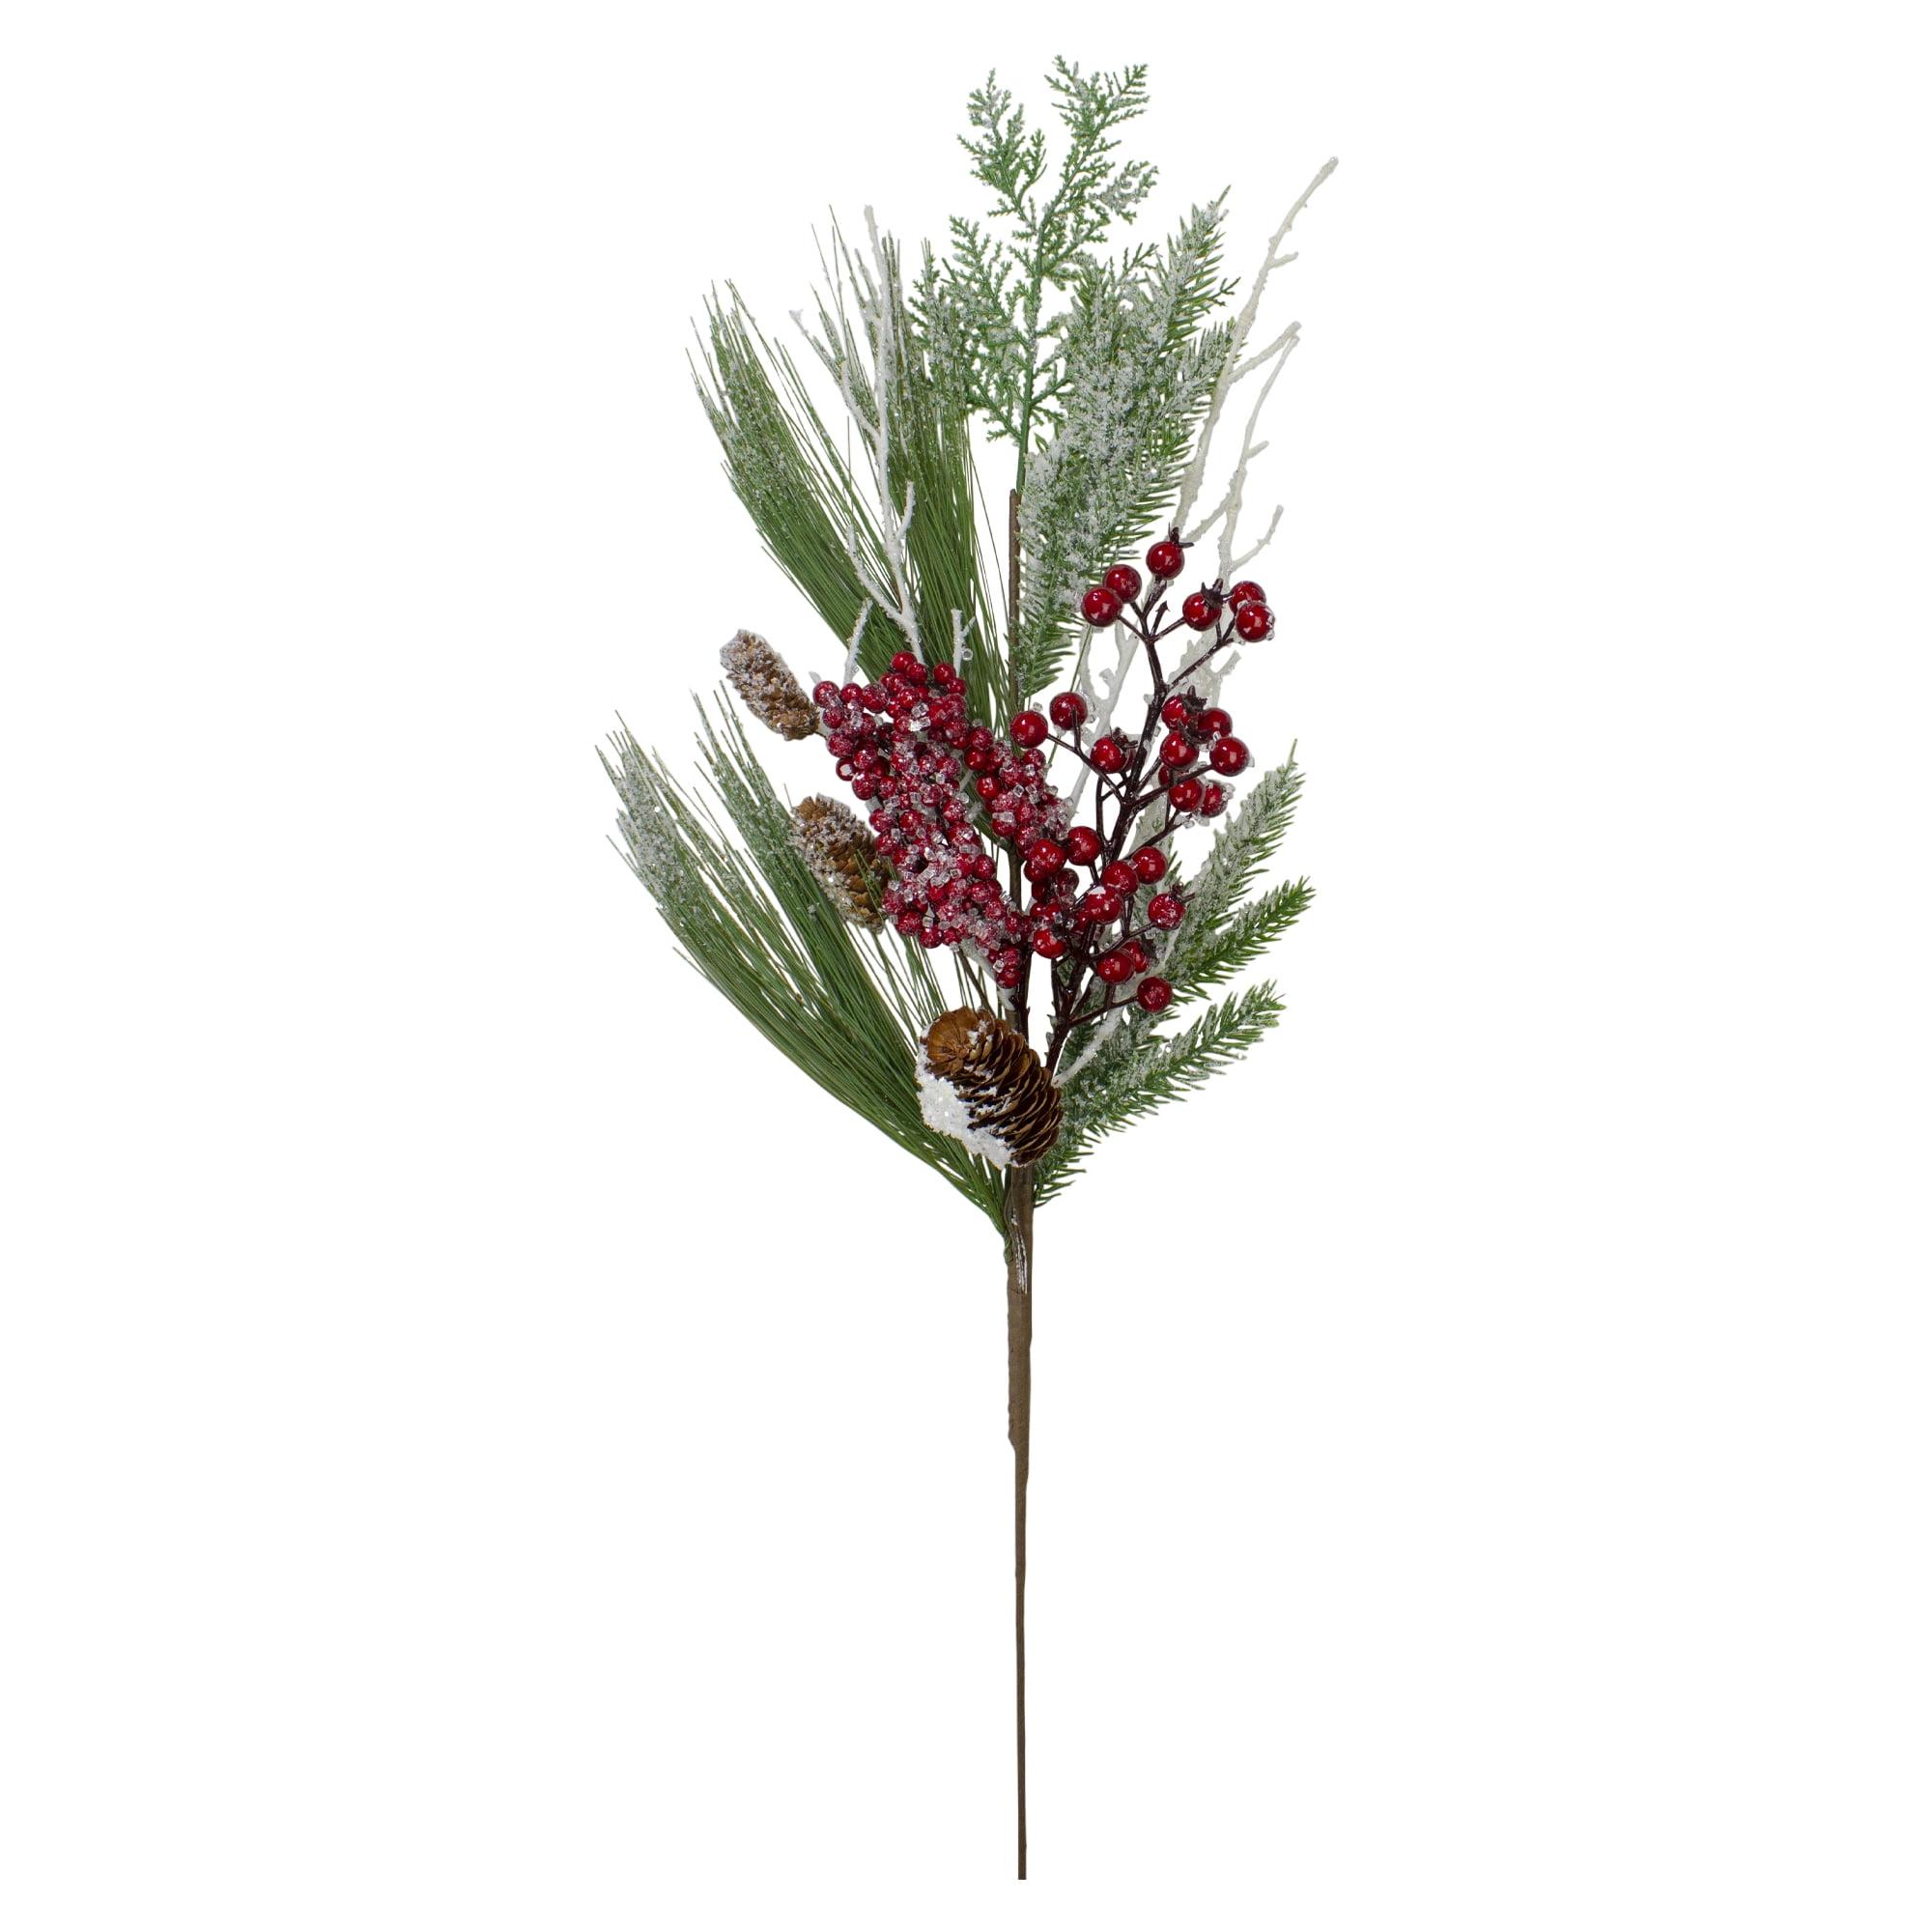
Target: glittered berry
[(1029, 729), (1154, 993), (1109, 755), (1121, 876), (905, 664), (1214, 801), (1254, 621), (1176, 750), (1124, 581), (1099, 607), (1069, 711), (1166, 911), (1114, 966), (1229, 756), (1185, 795), (1166, 558), (1048, 944), (1201, 610), (1083, 844), (1247, 592), (1174, 713), (1149, 865), (1215, 721), (1044, 854), (1099, 908), (988, 787), (825, 694), (1136, 954)]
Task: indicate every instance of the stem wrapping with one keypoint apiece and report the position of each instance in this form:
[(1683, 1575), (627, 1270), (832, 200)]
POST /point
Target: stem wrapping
[(1019, 1431)]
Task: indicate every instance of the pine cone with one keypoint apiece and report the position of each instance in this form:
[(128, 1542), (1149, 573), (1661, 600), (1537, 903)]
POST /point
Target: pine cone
[(982, 1083), (764, 681), (842, 856)]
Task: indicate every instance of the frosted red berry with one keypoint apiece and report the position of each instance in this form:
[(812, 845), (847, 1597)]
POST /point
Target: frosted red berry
[(1121, 876), (1215, 721), (1254, 621), (1174, 713), (1029, 729), (1214, 801), (1109, 755), (1068, 710), (825, 694), (1166, 558), (1176, 750), (1114, 966), (1124, 581), (1136, 954), (1083, 844), (1185, 795), (1045, 856), (1048, 944), (1247, 592), (1099, 607), (1154, 993), (1200, 609), (1166, 911), (1149, 865), (1229, 756)]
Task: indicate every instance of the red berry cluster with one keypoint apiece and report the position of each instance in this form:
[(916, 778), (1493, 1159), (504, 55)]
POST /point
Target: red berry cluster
[(908, 745), (1076, 922), (1192, 728)]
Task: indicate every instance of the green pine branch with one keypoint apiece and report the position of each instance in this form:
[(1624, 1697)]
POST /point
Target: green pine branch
[(1140, 1071), (843, 1006)]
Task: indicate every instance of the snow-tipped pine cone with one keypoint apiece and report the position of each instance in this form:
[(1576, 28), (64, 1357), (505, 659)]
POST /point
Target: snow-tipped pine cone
[(763, 679), (982, 1083), (843, 858)]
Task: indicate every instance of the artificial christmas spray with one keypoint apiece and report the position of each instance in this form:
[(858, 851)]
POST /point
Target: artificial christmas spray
[(986, 952)]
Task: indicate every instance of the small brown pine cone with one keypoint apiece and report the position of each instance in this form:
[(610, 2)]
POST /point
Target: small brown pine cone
[(982, 1083), (764, 681), (842, 856)]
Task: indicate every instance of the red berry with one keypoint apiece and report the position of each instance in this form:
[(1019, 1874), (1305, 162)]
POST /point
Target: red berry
[(825, 694), (1029, 729), (1122, 876), (1149, 865), (1068, 710), (1174, 713), (1214, 801), (1046, 855), (1008, 971), (1109, 755), (905, 664), (1229, 756), (1099, 607), (1099, 908), (1166, 911), (988, 787), (1166, 558), (1254, 621), (1048, 944), (1083, 844), (1187, 795), (1124, 581), (1154, 993), (1175, 750), (1114, 966), (1137, 955), (1215, 721), (1247, 592), (1201, 610)]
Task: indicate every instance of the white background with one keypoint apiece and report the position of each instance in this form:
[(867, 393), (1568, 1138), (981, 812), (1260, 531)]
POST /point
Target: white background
[(485, 1444)]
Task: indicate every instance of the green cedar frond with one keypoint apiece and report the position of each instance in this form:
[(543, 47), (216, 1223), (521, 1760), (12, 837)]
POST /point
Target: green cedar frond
[(995, 346), (1145, 1070), (842, 1005)]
